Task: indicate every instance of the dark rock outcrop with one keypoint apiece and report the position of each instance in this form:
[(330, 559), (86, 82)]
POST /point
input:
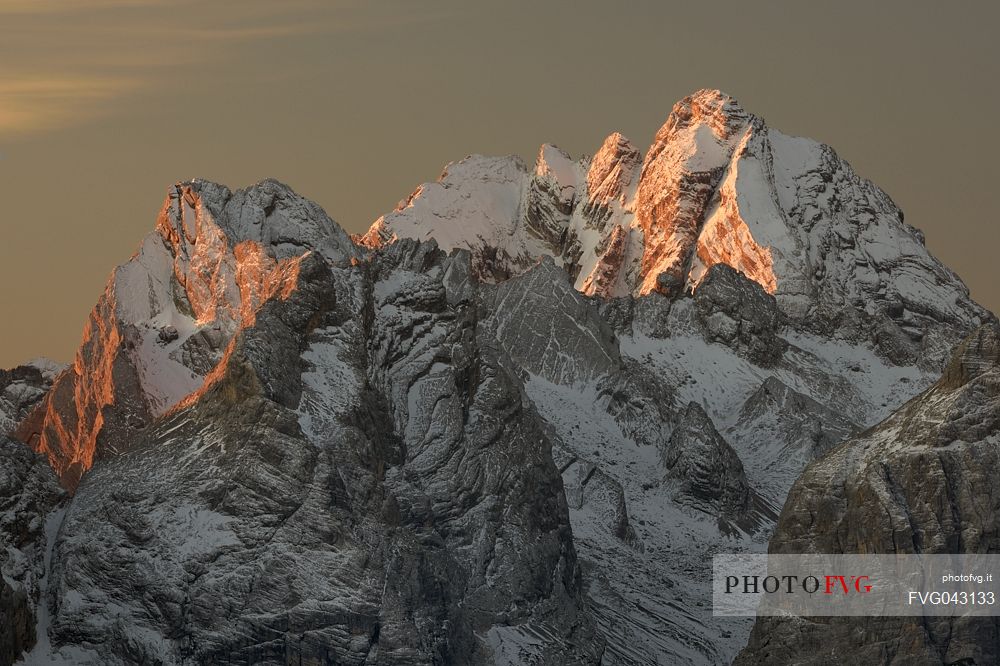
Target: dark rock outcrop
[(22, 388), (737, 312), (707, 470)]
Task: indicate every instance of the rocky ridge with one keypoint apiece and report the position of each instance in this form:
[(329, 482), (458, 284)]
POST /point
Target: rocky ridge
[(776, 300)]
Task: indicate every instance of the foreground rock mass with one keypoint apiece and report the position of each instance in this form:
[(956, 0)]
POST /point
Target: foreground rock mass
[(517, 443), (922, 481)]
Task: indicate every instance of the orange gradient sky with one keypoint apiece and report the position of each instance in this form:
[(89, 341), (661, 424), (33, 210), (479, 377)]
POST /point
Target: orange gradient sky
[(104, 103)]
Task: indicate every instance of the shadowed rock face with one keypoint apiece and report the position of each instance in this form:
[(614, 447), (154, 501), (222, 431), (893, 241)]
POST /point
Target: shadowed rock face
[(705, 466), (359, 481), (548, 328), (922, 481), (782, 430), (550, 199), (29, 494), (22, 388), (741, 314)]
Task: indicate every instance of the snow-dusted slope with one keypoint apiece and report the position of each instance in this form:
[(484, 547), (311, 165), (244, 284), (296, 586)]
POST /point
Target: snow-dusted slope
[(679, 426)]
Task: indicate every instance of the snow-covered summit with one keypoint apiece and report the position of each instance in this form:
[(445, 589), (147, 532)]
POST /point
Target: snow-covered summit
[(717, 185)]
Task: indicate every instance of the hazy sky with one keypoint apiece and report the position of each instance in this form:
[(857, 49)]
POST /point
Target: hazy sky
[(104, 103)]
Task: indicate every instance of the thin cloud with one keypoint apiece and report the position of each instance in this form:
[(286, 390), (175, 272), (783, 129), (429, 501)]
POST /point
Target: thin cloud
[(40, 104), (58, 75), (66, 6), (67, 62)]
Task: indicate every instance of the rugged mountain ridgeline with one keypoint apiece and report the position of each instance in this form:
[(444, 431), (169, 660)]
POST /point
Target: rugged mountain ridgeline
[(717, 186), (509, 424)]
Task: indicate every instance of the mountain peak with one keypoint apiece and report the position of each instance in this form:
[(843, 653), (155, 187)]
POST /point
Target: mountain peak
[(713, 98), (527, 356), (612, 169), (717, 111), (615, 144), (163, 324), (551, 159), (712, 106), (268, 213)]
